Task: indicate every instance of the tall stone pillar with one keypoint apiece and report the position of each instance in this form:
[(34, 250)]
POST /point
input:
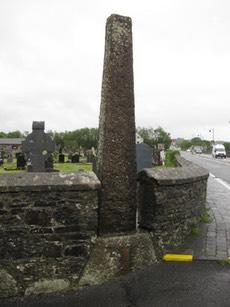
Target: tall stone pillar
[(116, 159)]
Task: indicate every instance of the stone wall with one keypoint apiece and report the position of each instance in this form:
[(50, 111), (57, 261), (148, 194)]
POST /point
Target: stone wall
[(48, 225), (171, 201)]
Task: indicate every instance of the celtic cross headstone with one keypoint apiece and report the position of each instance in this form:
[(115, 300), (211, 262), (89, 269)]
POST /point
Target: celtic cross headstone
[(38, 146)]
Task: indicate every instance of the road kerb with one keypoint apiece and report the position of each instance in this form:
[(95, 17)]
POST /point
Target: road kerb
[(178, 257)]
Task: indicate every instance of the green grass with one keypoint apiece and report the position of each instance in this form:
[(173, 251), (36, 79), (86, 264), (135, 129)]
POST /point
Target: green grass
[(10, 168), (225, 261), (73, 167)]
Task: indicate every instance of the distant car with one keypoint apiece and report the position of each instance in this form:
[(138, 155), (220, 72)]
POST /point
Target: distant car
[(198, 151)]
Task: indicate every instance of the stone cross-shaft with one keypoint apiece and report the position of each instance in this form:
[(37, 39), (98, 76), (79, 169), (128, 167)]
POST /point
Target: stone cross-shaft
[(116, 159)]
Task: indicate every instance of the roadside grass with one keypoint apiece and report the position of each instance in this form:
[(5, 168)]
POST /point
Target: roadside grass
[(225, 261), (205, 218)]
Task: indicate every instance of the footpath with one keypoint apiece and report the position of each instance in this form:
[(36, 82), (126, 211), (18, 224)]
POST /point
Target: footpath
[(205, 281), (213, 241)]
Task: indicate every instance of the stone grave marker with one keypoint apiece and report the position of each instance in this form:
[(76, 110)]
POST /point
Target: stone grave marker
[(1, 157), (9, 154), (144, 154), (75, 158), (38, 146), (21, 161), (61, 158)]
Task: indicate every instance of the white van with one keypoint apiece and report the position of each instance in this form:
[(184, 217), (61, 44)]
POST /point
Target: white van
[(218, 150)]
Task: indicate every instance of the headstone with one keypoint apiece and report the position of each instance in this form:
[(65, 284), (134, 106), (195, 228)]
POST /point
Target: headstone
[(9, 154), (116, 156), (60, 148), (89, 156), (21, 161), (2, 156), (61, 158), (75, 158), (144, 155), (38, 146), (49, 162)]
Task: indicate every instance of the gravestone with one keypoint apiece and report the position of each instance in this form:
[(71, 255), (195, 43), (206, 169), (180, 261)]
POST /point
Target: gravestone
[(21, 161), (2, 156), (75, 158), (61, 158), (9, 154), (38, 146), (116, 156), (144, 155)]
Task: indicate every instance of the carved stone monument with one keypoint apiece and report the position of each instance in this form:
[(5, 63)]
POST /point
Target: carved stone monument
[(38, 146), (116, 158)]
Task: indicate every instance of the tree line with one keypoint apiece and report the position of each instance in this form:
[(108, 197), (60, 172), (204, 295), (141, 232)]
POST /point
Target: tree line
[(86, 138)]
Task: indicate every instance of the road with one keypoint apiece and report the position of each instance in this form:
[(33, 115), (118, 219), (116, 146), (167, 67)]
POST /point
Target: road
[(219, 168)]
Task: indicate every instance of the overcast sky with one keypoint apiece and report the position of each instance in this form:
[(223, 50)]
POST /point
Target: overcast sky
[(51, 63)]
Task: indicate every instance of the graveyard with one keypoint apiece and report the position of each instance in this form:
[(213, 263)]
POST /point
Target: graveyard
[(38, 153)]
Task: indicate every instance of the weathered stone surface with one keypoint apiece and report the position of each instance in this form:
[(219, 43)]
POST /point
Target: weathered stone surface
[(118, 256), (116, 158), (171, 201), (49, 181), (47, 233), (170, 176), (8, 285), (46, 286)]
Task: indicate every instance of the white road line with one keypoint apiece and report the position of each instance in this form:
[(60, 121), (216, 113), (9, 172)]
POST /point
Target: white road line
[(225, 184)]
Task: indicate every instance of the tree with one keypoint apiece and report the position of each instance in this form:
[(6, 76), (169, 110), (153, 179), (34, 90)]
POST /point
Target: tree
[(15, 134), (185, 144), (153, 137), (196, 141), (3, 134), (161, 137)]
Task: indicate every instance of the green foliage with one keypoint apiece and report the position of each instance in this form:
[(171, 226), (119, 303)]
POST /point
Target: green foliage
[(227, 146), (153, 137), (205, 218), (3, 134), (185, 144), (196, 141), (195, 230), (171, 158), (84, 138), (225, 261)]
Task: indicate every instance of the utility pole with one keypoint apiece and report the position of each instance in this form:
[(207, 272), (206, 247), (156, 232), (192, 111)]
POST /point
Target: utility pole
[(213, 139)]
